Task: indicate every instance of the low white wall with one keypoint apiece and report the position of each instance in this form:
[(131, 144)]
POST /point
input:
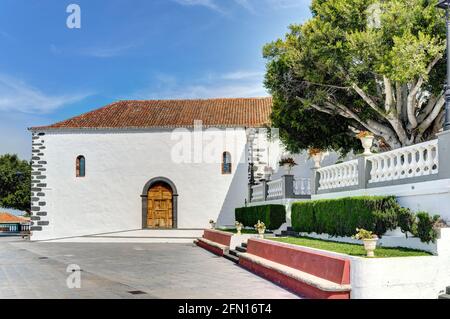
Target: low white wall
[(432, 197), (397, 278)]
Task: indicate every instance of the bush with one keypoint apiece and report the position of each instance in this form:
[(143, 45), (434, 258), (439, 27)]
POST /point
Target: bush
[(406, 221), (341, 217), (426, 228), (273, 216)]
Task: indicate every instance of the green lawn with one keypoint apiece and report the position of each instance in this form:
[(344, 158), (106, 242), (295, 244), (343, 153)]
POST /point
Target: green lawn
[(350, 249)]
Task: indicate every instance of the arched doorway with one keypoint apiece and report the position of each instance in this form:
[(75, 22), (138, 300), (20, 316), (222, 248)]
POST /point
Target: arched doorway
[(159, 204)]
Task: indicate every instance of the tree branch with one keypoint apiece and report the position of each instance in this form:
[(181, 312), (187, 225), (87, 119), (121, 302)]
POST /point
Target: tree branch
[(411, 106), (389, 99), (430, 118)]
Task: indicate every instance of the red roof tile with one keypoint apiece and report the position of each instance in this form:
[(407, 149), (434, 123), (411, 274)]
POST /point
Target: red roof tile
[(231, 112), (10, 218)]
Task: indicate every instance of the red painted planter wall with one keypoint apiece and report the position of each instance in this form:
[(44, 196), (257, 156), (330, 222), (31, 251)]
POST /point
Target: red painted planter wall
[(332, 268), (212, 249), (294, 285), (219, 237)]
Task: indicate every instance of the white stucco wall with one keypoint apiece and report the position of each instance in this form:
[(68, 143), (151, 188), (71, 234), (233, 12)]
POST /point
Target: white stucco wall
[(120, 163)]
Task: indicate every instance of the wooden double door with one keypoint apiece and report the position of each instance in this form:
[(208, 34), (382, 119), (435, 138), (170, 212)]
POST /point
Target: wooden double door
[(160, 206)]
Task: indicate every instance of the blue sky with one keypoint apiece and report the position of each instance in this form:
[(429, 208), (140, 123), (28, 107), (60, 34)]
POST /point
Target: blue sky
[(139, 49)]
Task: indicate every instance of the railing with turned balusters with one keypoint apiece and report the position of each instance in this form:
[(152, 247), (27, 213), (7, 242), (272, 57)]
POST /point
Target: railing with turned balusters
[(411, 164), (287, 187)]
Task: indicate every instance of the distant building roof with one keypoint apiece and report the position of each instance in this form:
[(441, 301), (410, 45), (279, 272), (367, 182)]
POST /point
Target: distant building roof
[(7, 218), (230, 112)]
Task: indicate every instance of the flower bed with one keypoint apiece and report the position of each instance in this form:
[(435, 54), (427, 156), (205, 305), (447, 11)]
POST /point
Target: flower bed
[(350, 249)]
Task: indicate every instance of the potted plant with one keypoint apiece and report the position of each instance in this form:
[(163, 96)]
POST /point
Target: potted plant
[(369, 239), (239, 227), (261, 228), (212, 223), (366, 139), (317, 155), (287, 163)]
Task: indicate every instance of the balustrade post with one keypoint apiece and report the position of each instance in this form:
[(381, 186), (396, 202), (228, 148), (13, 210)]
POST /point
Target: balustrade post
[(265, 189), (444, 154), (315, 181), (250, 192), (288, 186), (364, 168)]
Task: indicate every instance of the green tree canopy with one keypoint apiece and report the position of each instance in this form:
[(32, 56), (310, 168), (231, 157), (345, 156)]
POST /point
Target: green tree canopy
[(359, 65), (15, 183)]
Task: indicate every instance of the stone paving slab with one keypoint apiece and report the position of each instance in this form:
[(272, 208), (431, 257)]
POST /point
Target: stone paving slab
[(112, 270)]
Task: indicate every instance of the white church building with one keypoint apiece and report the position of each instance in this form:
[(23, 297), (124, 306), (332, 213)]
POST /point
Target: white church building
[(166, 164)]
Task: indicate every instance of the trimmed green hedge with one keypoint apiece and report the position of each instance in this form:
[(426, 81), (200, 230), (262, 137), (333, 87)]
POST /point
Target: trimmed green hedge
[(341, 217), (273, 216)]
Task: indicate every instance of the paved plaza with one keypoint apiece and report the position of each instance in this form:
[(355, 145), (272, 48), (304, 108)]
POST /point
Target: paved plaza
[(113, 270)]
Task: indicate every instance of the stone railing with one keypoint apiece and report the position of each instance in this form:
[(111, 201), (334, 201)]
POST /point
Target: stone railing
[(287, 187), (275, 189), (258, 192), (416, 163), (412, 161), (302, 186), (339, 175)]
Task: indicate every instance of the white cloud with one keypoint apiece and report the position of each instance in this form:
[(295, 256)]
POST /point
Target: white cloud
[(107, 52), (16, 95), (210, 4), (241, 75), (253, 6), (232, 84)]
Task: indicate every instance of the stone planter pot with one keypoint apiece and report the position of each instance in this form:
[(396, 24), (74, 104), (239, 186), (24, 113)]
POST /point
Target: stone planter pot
[(367, 143), (239, 229), (261, 232), (287, 169), (317, 158), (370, 245), (212, 225)]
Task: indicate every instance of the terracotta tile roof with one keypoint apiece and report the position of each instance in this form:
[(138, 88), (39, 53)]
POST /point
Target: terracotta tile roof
[(232, 112), (6, 218)]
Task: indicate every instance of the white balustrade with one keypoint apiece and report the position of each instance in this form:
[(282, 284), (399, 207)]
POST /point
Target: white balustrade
[(275, 189), (339, 175), (411, 161), (257, 193), (302, 186)]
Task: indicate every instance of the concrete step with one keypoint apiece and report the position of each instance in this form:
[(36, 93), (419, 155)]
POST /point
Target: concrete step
[(445, 297), (244, 245), (232, 258), (234, 253), (155, 233), (176, 236), (241, 249)]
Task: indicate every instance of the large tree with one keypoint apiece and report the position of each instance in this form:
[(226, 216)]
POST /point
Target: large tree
[(15, 183), (359, 65)]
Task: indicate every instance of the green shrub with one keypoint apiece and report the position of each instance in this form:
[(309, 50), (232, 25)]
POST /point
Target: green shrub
[(341, 217), (406, 221), (426, 228), (273, 216)]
